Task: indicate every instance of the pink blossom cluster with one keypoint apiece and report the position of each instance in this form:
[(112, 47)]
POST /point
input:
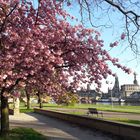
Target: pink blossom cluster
[(123, 35), (41, 50), (16, 94), (114, 44)]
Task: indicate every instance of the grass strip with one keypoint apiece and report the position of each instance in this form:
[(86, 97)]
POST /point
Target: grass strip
[(125, 120), (24, 134)]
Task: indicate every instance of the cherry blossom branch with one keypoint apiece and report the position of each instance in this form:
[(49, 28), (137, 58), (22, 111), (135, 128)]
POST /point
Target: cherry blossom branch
[(4, 22)]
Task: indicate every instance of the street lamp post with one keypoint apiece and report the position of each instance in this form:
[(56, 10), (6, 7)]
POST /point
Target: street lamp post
[(110, 85), (88, 92), (111, 98)]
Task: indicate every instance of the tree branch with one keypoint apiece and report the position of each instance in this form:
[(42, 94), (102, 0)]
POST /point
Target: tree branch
[(4, 22)]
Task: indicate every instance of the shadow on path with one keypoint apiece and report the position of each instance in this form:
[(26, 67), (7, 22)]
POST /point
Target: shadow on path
[(56, 129)]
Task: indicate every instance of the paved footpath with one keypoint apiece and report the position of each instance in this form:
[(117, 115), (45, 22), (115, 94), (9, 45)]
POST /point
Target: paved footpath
[(106, 114), (56, 129), (130, 116)]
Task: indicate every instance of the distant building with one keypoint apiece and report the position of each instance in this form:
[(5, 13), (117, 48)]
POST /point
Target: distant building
[(115, 91), (135, 95), (88, 95), (127, 90)]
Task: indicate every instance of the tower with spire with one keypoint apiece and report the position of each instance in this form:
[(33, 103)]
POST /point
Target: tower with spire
[(116, 88), (88, 87), (135, 79)]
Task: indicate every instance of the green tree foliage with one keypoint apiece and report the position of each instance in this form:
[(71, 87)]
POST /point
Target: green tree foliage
[(68, 98)]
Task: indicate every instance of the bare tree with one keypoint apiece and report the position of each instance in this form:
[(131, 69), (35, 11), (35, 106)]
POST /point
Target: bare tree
[(128, 10)]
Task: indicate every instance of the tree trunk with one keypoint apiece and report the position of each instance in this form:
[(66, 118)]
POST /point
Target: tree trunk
[(28, 101), (16, 106), (5, 110), (40, 105), (39, 100), (4, 115)]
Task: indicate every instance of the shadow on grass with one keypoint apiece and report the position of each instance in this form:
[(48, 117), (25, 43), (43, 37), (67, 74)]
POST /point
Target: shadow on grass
[(24, 134)]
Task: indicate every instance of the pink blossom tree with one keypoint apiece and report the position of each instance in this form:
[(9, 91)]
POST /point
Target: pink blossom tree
[(39, 46)]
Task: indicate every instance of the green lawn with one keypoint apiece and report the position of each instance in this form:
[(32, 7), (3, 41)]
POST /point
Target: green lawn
[(24, 134), (81, 107), (127, 109)]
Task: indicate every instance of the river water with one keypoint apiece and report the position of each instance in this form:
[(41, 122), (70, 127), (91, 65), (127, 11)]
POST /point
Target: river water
[(118, 103)]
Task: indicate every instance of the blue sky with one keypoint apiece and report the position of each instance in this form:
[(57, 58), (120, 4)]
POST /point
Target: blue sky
[(122, 51)]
